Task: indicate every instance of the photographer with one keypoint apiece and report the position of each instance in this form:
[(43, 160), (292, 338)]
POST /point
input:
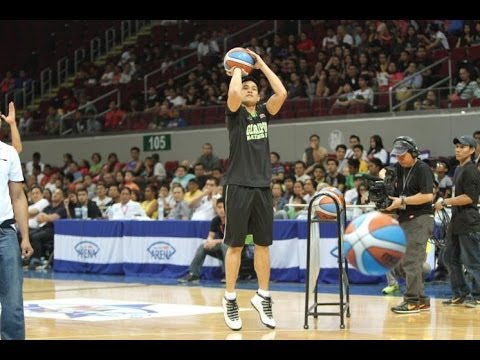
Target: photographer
[(463, 244), (413, 205)]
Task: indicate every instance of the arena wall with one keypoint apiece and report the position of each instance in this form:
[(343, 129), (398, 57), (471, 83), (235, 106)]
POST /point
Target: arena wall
[(433, 131)]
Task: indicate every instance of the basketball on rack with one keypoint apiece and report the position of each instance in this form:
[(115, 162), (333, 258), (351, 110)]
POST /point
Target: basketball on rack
[(325, 206), (374, 243), (239, 57)]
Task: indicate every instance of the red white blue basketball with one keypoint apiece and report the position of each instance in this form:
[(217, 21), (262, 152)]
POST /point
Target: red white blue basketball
[(325, 206), (374, 243), (239, 57)]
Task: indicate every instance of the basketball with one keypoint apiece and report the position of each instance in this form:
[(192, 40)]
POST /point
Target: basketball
[(374, 243), (238, 57), (325, 206)]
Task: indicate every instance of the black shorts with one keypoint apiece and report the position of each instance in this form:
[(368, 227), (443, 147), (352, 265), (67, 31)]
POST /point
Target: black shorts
[(248, 210)]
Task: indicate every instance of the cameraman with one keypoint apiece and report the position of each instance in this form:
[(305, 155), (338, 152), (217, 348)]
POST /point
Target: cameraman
[(413, 205), (463, 244)]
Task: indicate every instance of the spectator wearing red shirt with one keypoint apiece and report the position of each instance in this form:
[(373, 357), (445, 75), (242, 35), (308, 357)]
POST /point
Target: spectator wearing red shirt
[(114, 117), (305, 45)]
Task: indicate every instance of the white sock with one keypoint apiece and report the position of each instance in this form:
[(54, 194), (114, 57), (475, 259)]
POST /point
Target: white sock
[(230, 295), (264, 293)]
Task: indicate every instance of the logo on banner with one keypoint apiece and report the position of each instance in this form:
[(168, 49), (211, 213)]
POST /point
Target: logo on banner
[(334, 252), (86, 249), (161, 250)]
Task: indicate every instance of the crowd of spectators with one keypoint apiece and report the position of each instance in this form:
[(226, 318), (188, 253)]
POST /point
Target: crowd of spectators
[(351, 63), (151, 190)]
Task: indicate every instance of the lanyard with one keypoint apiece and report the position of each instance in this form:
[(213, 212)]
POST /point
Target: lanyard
[(407, 179)]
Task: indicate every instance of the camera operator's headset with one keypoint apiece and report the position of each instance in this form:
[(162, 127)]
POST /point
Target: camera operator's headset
[(409, 143)]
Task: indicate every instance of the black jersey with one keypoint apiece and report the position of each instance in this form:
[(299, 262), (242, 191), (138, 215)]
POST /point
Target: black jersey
[(465, 218), (249, 159)]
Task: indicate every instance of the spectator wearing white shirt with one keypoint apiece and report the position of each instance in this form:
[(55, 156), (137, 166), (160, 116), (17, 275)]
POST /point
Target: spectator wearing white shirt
[(35, 160), (203, 206), (203, 48), (102, 200), (158, 169), (127, 209), (39, 203), (377, 150)]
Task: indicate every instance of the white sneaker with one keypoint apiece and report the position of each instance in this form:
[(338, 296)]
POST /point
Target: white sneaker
[(230, 313), (264, 307)]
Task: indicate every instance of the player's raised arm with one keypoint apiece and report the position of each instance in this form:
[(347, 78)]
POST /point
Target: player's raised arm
[(235, 90), (280, 93)]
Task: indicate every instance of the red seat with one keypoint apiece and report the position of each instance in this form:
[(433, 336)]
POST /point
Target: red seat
[(196, 116), (382, 100), (459, 103), (211, 114), (319, 106), (439, 54), (170, 166), (225, 163), (475, 102), (287, 111), (303, 108), (458, 54), (474, 52), (338, 110), (358, 109)]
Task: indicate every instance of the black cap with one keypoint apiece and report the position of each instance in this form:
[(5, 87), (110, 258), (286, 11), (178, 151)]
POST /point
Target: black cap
[(465, 140)]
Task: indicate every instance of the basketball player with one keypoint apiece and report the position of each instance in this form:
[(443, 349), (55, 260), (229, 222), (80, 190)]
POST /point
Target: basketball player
[(248, 200), (463, 245), (413, 207), (13, 208)]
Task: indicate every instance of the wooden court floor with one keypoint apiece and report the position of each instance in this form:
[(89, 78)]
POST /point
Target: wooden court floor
[(90, 310)]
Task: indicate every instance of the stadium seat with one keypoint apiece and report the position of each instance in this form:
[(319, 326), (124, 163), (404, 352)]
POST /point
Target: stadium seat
[(303, 108), (475, 102), (459, 103), (170, 167)]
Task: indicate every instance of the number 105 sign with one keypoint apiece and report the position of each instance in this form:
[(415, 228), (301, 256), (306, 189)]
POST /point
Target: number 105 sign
[(157, 142)]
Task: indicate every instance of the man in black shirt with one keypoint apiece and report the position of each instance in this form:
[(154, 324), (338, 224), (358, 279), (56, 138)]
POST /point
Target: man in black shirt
[(213, 246), (414, 208), (463, 243), (248, 201)]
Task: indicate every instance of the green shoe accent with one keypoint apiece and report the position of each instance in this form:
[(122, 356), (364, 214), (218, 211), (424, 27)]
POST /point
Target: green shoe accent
[(391, 289)]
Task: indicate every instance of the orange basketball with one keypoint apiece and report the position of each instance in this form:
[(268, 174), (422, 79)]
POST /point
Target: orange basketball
[(374, 243), (325, 206), (239, 57)]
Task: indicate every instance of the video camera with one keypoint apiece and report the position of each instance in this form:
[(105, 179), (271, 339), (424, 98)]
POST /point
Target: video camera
[(380, 189)]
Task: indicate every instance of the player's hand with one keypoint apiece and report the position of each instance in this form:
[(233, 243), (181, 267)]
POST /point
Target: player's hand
[(230, 72), (10, 118), (258, 59)]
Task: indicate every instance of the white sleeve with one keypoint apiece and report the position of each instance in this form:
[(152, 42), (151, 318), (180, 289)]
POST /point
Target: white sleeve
[(39, 205), (15, 173), (159, 171), (382, 156)]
